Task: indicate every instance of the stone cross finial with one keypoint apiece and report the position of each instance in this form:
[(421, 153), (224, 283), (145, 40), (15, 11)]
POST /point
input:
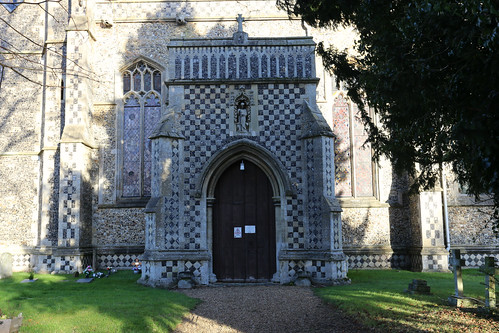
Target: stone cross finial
[(240, 21)]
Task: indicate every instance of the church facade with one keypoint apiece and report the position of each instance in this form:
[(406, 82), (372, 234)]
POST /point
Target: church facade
[(198, 140)]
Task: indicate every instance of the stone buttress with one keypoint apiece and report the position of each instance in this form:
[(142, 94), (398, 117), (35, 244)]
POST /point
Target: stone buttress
[(428, 252), (73, 250)]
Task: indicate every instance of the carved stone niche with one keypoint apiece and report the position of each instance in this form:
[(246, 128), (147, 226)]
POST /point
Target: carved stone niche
[(243, 111)]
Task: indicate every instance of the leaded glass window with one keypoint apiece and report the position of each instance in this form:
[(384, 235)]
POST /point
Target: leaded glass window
[(141, 112), (352, 155)]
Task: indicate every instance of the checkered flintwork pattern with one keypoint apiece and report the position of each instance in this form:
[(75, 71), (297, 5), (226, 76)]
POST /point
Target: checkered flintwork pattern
[(78, 84), (328, 155), (295, 267), (116, 260), (67, 264), (337, 235), (48, 263), (171, 205), (206, 124), (194, 267), (150, 230), (296, 230), (69, 196), (317, 268), (431, 219), (362, 261), (477, 259), (146, 268), (206, 128), (171, 268), (313, 198), (435, 262), (21, 261), (278, 121)]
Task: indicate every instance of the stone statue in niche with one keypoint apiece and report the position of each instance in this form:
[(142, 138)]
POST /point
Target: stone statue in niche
[(242, 115)]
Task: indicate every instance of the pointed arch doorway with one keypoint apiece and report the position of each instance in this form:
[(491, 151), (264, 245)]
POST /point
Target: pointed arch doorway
[(244, 241)]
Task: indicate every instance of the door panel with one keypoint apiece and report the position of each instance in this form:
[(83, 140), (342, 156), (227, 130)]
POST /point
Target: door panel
[(243, 198)]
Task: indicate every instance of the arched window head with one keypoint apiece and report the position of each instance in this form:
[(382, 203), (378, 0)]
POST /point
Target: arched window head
[(141, 111)]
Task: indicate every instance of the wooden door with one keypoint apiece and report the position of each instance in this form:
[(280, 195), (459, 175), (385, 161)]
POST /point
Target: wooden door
[(243, 225)]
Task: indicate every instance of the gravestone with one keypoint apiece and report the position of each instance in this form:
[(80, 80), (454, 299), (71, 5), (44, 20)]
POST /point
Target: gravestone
[(419, 287), (490, 281), (457, 263), (5, 265), (11, 325), (458, 298)]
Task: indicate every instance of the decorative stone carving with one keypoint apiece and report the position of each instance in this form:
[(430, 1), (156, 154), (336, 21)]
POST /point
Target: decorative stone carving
[(240, 37), (242, 112)]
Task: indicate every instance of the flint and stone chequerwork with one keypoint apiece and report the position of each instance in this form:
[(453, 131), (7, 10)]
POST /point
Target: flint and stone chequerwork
[(234, 99), (112, 148)]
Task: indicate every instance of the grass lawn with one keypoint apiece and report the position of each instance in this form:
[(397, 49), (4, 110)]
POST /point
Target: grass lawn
[(377, 299), (56, 303)]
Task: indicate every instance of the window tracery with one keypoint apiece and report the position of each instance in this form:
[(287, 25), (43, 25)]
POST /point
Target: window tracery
[(141, 112)]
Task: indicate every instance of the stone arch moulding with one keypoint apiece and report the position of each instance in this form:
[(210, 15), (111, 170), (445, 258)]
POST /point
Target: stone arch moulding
[(245, 149), (240, 150), (148, 61)]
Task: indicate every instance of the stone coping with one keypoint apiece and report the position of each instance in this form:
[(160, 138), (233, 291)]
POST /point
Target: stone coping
[(251, 42), (182, 82)]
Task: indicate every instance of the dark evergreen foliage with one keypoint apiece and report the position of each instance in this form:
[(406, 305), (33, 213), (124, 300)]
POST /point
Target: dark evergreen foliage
[(430, 69)]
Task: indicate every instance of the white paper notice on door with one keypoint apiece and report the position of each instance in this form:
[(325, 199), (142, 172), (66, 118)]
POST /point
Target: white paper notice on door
[(250, 229), (238, 232)]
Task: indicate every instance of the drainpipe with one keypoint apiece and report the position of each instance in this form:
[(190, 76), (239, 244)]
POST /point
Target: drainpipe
[(446, 213)]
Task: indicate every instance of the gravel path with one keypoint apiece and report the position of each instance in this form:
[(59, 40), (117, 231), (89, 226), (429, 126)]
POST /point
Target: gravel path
[(248, 309)]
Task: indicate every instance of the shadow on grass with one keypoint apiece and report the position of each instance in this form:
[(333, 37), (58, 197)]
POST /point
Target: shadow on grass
[(378, 299), (56, 303)]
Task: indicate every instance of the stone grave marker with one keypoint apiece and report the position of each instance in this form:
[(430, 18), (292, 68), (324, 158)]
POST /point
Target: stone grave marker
[(419, 287), (85, 280), (6, 265), (490, 272), (458, 298), (11, 325), (457, 263)]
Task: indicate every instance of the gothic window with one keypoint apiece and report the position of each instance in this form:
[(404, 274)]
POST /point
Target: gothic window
[(354, 166), (141, 112)]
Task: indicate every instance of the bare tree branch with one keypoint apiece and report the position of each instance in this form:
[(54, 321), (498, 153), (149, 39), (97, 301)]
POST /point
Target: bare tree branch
[(18, 54)]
